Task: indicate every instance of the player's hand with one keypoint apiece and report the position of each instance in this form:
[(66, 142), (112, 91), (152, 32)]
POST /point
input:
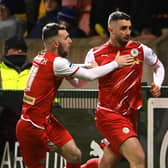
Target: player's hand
[(124, 60), (155, 90)]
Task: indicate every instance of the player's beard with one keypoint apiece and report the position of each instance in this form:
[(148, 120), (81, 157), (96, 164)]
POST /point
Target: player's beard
[(61, 51), (123, 41)]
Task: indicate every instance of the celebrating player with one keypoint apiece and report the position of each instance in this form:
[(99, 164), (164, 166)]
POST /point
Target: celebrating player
[(38, 131), (120, 94)]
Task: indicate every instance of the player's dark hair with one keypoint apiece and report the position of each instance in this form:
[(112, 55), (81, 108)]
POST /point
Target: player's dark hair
[(118, 15), (51, 29)]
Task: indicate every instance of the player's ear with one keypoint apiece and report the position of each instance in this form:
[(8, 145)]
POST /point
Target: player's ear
[(110, 29), (55, 43)]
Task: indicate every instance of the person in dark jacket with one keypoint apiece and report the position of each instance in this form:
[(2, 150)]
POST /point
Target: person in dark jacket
[(69, 17), (52, 7)]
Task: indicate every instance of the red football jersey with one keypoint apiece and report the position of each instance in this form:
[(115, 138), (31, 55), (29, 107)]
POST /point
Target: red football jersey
[(41, 89), (120, 90)]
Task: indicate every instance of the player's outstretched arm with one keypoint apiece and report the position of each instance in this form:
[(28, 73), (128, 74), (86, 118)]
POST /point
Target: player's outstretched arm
[(97, 72), (121, 61), (62, 67)]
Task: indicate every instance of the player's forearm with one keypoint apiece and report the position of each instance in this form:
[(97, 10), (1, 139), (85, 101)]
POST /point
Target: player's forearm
[(94, 73), (159, 73)]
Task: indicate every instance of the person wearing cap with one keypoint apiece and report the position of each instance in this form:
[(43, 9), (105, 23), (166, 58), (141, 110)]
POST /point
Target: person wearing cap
[(14, 66), (69, 18), (66, 16), (9, 24)]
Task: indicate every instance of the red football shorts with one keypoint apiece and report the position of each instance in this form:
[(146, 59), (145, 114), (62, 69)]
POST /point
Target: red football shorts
[(116, 128), (34, 141)]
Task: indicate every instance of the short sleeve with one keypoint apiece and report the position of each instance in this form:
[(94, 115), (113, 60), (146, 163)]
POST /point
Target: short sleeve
[(62, 66)]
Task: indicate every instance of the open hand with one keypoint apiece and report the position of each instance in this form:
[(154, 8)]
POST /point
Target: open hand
[(124, 60)]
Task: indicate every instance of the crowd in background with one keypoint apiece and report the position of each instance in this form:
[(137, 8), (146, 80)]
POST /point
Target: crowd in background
[(83, 18)]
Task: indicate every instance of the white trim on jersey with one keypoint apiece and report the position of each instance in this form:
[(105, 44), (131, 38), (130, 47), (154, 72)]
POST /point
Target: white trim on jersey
[(34, 124)]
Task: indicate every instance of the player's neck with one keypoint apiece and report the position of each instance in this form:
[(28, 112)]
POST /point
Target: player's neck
[(116, 43), (54, 51)]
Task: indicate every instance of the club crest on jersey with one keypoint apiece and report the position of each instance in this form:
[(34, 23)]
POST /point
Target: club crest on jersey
[(134, 52), (125, 130)]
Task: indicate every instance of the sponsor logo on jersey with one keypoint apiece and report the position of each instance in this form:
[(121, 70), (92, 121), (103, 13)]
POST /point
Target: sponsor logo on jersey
[(136, 60)]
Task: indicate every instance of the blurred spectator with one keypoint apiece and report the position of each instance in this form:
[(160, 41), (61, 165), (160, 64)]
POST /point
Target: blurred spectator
[(144, 15), (141, 12), (146, 33), (51, 7), (69, 3), (32, 11), (14, 66), (17, 6), (14, 69), (69, 17), (159, 16), (9, 24), (83, 7), (11, 4)]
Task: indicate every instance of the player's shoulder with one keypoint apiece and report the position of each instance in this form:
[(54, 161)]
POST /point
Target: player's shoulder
[(133, 44), (61, 61), (146, 49), (103, 48), (61, 64), (137, 44)]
